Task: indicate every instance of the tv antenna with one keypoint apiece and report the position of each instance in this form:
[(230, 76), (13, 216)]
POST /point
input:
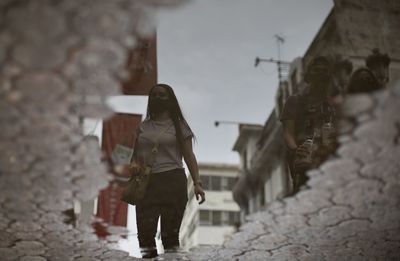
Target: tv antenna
[(283, 66)]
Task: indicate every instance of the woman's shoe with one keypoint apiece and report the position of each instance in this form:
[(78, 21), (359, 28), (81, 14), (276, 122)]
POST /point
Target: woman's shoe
[(149, 253), (172, 249)]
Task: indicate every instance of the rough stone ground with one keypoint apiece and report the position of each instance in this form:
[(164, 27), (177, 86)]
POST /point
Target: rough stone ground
[(61, 58), (350, 209)]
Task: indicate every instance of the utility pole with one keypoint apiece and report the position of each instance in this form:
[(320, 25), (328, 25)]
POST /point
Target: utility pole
[(283, 66)]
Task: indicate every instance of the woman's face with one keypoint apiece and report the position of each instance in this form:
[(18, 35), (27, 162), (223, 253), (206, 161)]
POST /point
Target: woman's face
[(160, 93), (159, 100)]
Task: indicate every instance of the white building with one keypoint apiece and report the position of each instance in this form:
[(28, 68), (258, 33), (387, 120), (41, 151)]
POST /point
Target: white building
[(212, 222), (263, 172)]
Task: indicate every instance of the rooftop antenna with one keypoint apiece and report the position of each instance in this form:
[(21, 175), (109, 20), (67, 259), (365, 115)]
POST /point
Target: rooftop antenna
[(280, 40), (283, 66)]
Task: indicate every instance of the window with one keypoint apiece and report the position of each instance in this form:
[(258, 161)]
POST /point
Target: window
[(206, 182), (215, 183), (224, 183), (216, 218), (205, 217), (233, 218), (227, 183), (231, 182)]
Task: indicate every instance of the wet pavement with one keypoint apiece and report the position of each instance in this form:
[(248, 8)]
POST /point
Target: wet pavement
[(58, 65), (350, 209)]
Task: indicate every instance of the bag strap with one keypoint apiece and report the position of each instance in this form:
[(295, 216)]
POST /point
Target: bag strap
[(154, 150)]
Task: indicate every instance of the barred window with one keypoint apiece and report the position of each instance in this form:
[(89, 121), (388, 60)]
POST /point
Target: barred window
[(218, 183), (219, 218)]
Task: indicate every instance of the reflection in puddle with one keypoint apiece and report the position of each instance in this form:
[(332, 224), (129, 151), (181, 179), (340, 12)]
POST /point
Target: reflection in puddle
[(116, 237)]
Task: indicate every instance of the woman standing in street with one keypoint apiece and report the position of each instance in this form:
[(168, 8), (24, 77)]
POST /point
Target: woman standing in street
[(166, 194)]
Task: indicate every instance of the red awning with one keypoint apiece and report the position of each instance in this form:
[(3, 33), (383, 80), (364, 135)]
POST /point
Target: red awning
[(120, 129)]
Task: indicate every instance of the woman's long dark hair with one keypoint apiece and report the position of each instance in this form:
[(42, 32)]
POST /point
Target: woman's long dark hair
[(175, 112)]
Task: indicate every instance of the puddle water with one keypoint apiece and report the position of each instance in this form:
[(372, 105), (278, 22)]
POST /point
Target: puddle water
[(116, 237)]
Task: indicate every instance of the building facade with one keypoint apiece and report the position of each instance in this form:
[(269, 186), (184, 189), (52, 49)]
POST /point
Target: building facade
[(351, 31), (354, 28), (264, 176), (212, 222)]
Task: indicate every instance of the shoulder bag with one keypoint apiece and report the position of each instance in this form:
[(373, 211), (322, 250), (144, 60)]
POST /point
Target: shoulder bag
[(136, 187)]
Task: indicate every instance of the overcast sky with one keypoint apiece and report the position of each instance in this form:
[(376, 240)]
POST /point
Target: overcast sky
[(206, 52)]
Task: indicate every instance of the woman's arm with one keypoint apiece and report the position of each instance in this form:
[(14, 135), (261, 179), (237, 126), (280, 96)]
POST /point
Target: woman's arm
[(134, 165), (191, 162)]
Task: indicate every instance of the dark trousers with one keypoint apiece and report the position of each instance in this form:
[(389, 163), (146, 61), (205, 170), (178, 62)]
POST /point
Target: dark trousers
[(166, 197), (171, 218)]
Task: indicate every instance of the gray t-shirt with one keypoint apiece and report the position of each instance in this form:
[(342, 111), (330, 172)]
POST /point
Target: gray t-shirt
[(169, 154)]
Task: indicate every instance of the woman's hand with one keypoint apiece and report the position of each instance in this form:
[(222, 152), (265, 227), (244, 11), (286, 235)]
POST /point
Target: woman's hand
[(199, 192), (191, 162), (134, 168)]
